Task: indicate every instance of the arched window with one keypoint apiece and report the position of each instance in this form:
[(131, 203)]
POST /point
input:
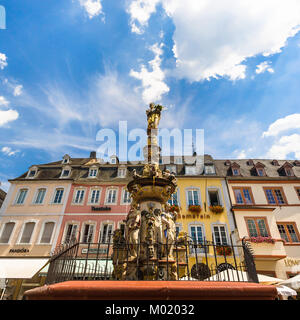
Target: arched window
[(47, 232), (6, 232), (27, 232)]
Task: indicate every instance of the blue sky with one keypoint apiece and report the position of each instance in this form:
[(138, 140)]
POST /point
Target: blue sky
[(69, 68)]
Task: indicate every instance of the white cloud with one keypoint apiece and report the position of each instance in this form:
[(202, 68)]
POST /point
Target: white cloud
[(3, 101), (3, 60), (213, 39), (263, 67), (285, 146), (283, 124), (140, 12), (8, 116), (152, 81), (8, 151), (92, 7), (18, 90)]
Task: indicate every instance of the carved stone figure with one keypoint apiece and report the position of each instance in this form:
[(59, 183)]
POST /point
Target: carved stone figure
[(132, 228), (169, 232)]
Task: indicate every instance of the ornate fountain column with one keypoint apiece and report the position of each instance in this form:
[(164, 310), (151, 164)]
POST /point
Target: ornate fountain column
[(150, 227)]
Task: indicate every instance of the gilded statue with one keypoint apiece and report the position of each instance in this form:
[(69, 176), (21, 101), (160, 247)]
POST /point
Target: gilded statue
[(153, 115)]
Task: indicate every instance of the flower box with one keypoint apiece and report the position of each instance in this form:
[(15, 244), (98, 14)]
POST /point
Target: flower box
[(260, 239), (216, 209), (224, 250), (195, 208), (174, 208)]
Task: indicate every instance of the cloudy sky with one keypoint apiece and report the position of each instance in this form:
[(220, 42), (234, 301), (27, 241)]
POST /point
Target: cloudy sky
[(69, 68)]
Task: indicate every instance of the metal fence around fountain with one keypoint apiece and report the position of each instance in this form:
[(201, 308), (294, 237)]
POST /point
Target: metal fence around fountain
[(199, 261)]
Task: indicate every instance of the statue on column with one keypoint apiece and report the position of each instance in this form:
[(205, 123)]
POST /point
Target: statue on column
[(153, 115)]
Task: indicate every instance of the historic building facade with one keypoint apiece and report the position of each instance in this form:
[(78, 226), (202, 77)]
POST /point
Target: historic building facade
[(265, 197)]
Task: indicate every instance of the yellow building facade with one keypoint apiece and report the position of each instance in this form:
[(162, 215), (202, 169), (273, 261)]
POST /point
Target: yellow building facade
[(200, 199)]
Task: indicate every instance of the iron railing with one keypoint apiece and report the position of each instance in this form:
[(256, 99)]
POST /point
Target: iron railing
[(204, 261)]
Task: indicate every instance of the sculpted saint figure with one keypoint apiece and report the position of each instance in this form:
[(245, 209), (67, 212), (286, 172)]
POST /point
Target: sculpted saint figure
[(133, 223), (169, 231), (153, 115)]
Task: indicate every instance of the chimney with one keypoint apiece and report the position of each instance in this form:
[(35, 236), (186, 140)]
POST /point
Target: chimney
[(93, 155)]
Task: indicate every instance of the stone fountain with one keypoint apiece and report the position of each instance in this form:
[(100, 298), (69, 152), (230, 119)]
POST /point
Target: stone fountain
[(150, 231)]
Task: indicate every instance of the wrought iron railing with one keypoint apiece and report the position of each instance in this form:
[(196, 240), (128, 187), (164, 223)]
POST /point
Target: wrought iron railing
[(204, 261)]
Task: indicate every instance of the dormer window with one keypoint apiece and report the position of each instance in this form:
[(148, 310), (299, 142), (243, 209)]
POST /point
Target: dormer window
[(209, 169), (122, 172), (250, 163), (93, 172), (227, 163), (297, 163), (259, 170), (114, 160), (190, 170), (275, 163), (32, 173), (286, 170), (235, 169), (66, 159), (65, 173)]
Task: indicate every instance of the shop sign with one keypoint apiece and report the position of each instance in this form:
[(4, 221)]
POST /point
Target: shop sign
[(101, 208), (289, 262), (21, 250), (94, 250)]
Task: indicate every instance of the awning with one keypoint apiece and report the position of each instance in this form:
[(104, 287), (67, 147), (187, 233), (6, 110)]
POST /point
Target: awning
[(22, 268)]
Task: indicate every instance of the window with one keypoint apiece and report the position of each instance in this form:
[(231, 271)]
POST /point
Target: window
[(93, 173), (190, 170), (197, 233), (174, 199), (88, 232), (65, 173), (235, 171), (106, 233), (66, 159), (243, 195), (193, 197), (58, 196), (275, 195), (21, 196), (113, 160), (71, 232), (213, 196), (47, 232), (79, 196), (121, 172), (288, 231), (260, 172), (40, 196), (220, 235), (95, 196), (289, 172), (126, 197), (111, 196), (31, 173), (7, 231), (27, 232), (209, 169), (257, 227)]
